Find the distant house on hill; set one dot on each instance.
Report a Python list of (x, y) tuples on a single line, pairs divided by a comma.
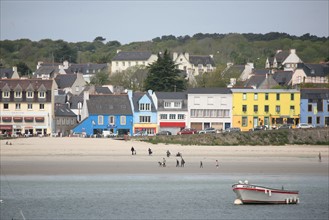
[(9, 73), (124, 60), (73, 83), (311, 73), (286, 60)]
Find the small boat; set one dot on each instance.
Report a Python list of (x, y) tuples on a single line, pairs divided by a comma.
[(254, 194)]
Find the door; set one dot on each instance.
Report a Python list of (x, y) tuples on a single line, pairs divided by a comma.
[(255, 121)]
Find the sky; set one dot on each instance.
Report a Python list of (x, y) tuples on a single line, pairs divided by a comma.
[(133, 21)]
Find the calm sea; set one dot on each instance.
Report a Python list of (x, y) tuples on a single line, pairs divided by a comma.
[(167, 196)]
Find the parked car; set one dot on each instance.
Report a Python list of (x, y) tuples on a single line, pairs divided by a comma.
[(259, 128), (233, 129), (304, 125), (163, 133), (187, 131), (140, 133), (208, 131), (285, 126)]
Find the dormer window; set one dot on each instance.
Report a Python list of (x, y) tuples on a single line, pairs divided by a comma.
[(42, 94), (18, 94), (29, 94), (5, 94), (312, 71), (144, 107)]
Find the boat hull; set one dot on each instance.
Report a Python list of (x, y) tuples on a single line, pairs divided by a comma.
[(252, 194)]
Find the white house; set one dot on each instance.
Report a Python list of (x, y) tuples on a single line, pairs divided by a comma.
[(209, 107), (287, 60)]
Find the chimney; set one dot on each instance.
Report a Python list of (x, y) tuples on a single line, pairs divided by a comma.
[(174, 56), (86, 95), (187, 56), (278, 51), (292, 51), (39, 64), (211, 56), (118, 51), (15, 69)]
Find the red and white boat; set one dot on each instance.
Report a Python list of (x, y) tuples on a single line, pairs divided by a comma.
[(253, 194)]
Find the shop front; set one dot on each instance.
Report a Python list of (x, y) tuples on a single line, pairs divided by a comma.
[(6, 129)]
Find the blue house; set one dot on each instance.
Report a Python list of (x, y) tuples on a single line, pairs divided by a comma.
[(110, 113), (144, 111), (314, 107)]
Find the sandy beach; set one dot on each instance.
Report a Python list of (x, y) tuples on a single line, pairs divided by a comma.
[(94, 156)]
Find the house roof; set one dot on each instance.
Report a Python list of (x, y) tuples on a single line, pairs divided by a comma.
[(62, 110), (311, 69), (281, 56), (314, 93), (25, 83), (46, 70), (261, 81), (261, 71), (87, 68), (125, 56), (60, 99), (283, 77), (136, 96), (109, 105), (209, 91), (171, 95), (6, 73), (204, 60), (75, 99), (65, 80)]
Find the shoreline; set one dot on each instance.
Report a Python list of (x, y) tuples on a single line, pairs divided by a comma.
[(99, 156)]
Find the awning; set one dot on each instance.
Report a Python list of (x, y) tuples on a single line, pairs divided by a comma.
[(172, 124), (6, 119), (39, 119), (6, 127), (28, 119), (18, 119)]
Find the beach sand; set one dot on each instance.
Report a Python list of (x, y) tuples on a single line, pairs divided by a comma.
[(98, 156)]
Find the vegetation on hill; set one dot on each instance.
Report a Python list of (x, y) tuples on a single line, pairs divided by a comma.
[(236, 48)]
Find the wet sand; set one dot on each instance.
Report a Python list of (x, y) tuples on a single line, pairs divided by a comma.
[(94, 156)]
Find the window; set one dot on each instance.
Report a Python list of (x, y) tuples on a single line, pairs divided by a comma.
[(163, 116), (266, 108), (41, 106), (180, 116), (5, 94), (167, 104), (292, 96), (123, 63), (292, 108), (244, 121), (309, 120), (18, 94), (255, 108), (100, 119), (117, 63), (5, 106), (111, 120), (18, 106), (277, 108), (29, 106), (172, 116), (244, 96), (123, 120), (29, 94), (318, 120), (255, 96), (244, 108), (72, 121), (319, 104), (42, 94), (278, 96), (144, 119), (266, 96), (77, 89), (177, 104), (309, 108), (145, 107)]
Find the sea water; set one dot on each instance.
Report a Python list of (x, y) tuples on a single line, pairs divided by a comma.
[(159, 196)]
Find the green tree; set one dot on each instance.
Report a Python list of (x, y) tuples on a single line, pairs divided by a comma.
[(23, 69), (101, 78), (163, 75)]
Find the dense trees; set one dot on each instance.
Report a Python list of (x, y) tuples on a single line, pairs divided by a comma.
[(164, 76)]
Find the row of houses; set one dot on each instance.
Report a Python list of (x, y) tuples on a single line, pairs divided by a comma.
[(36, 106)]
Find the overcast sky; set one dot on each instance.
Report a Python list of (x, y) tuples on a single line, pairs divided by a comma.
[(131, 21)]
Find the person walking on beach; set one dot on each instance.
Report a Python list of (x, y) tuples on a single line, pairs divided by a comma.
[(177, 163), (319, 156), (217, 164), (182, 163), (150, 151), (164, 162), (132, 151), (201, 164)]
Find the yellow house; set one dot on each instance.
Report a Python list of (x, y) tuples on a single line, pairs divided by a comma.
[(270, 107)]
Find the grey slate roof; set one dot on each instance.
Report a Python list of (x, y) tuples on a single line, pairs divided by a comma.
[(6, 73), (89, 68), (75, 99), (109, 105), (261, 82), (171, 95), (310, 69), (283, 78), (314, 93), (281, 56), (126, 56), (261, 71), (62, 110), (137, 96), (46, 70), (209, 91), (204, 60), (65, 80)]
